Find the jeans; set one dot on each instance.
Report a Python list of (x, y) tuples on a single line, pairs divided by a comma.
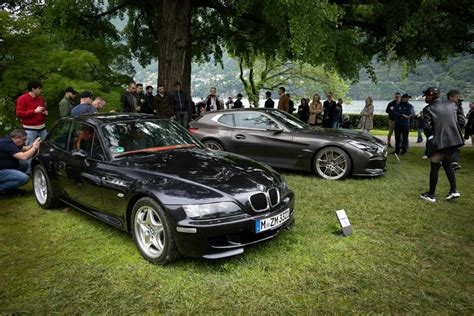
[(31, 135), (401, 140), (335, 124), (420, 135), (12, 178), (182, 118)]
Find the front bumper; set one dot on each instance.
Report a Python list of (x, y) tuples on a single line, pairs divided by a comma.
[(372, 166), (219, 238)]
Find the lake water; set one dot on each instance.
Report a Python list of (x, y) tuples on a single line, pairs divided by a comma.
[(356, 106)]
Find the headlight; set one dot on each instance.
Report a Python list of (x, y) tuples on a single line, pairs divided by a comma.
[(364, 146), (214, 210), (283, 186)]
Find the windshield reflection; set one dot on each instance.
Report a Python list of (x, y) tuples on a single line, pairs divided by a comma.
[(289, 120), (146, 135)]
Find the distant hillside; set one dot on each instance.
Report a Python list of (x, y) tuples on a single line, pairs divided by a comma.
[(458, 73)]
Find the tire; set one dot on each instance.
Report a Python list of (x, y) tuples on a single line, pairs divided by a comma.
[(332, 163), (214, 145), (45, 197), (151, 231)]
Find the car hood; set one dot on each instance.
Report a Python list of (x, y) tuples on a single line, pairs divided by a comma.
[(203, 174), (339, 135)]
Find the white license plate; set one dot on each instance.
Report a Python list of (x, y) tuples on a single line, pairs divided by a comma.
[(262, 225)]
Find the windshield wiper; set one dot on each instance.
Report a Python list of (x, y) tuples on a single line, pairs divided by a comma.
[(154, 149)]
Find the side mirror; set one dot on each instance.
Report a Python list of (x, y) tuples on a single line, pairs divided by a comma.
[(274, 128)]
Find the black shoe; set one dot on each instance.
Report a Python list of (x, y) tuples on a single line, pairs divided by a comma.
[(390, 145), (453, 195), (428, 197), (3, 195), (403, 153)]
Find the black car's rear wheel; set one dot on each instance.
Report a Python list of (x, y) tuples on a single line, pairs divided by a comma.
[(43, 190), (332, 163), (151, 232), (213, 145)]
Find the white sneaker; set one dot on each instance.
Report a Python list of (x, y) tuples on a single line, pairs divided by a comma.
[(453, 195), (424, 157)]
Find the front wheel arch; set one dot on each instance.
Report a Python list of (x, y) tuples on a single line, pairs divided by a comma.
[(213, 141), (149, 218), (350, 162)]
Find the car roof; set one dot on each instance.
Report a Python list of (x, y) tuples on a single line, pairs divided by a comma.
[(267, 110), (104, 118)]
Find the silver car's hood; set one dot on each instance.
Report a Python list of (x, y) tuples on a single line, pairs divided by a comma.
[(339, 135)]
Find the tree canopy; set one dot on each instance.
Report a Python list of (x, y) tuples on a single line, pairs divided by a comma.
[(342, 36)]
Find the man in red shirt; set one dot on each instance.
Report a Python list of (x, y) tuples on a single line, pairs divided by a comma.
[(30, 109)]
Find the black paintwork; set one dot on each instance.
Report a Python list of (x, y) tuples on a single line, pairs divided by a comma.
[(108, 189)]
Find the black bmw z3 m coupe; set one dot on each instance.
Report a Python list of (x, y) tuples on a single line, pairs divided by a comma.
[(152, 178)]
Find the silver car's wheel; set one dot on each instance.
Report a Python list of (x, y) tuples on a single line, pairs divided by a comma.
[(44, 194), (151, 232), (213, 145), (332, 163)]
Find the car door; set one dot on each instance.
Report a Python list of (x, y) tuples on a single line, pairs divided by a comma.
[(78, 172), (256, 136)]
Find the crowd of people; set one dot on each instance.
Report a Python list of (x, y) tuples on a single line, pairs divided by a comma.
[(440, 121)]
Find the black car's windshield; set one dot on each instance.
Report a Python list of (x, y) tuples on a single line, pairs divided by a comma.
[(145, 136), (288, 120)]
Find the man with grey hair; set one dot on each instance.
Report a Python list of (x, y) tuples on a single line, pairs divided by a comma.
[(98, 103), (13, 157)]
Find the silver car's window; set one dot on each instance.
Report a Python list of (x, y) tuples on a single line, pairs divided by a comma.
[(252, 120), (227, 119), (289, 120)]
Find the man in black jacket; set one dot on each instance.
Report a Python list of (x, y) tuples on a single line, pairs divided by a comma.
[(269, 103), (129, 101), (180, 105), (238, 103), (391, 118), (443, 122)]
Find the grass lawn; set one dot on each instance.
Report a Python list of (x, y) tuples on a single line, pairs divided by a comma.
[(406, 255), (383, 132)]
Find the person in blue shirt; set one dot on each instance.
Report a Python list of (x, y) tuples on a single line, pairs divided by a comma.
[(85, 105), (13, 157), (403, 112)]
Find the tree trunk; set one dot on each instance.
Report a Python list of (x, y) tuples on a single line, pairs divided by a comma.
[(174, 60)]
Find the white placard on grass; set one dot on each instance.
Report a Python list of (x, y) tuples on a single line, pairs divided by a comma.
[(344, 221)]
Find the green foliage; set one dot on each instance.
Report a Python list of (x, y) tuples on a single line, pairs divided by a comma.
[(29, 54)]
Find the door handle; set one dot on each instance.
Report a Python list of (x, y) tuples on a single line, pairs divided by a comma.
[(240, 136)]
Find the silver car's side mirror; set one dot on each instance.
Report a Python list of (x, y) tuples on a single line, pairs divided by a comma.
[(274, 128)]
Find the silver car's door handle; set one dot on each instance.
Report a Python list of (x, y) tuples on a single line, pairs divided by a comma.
[(240, 136)]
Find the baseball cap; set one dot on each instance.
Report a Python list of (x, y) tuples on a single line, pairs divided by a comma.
[(406, 95), (431, 91), (70, 89), (85, 94)]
